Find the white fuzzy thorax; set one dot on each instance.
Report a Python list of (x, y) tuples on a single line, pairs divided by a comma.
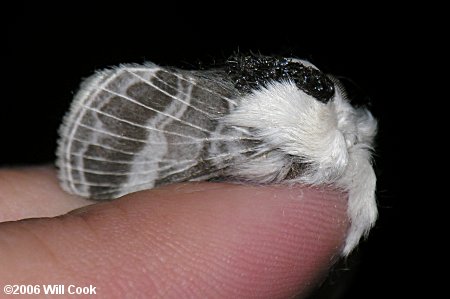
[(333, 140)]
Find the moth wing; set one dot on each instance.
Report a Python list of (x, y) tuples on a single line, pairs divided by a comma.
[(137, 127)]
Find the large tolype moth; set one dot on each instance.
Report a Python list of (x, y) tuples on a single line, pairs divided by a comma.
[(257, 119)]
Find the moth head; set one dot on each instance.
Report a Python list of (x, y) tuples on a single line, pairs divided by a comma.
[(300, 111)]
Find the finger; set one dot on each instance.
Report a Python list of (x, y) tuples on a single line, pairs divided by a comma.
[(34, 192), (193, 240)]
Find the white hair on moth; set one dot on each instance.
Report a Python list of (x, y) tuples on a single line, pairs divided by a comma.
[(333, 139)]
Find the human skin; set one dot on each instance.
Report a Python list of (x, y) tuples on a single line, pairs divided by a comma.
[(190, 240)]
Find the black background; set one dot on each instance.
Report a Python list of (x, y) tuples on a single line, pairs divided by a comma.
[(48, 53)]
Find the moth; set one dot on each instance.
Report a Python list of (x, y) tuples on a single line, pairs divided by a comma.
[(256, 119)]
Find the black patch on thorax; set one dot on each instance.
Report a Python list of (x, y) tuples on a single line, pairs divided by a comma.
[(249, 72)]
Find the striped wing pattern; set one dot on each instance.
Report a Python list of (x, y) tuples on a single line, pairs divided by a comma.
[(137, 127)]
